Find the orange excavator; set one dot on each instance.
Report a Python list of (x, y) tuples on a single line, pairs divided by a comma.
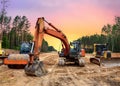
[(29, 52), (67, 54)]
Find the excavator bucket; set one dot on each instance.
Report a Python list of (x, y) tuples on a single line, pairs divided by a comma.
[(35, 69)]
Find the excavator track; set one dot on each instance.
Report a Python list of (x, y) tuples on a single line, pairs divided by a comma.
[(61, 61), (35, 69), (81, 62)]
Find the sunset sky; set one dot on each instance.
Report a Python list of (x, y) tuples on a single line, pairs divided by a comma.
[(75, 18)]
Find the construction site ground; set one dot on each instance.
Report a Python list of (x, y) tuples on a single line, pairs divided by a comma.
[(68, 75)]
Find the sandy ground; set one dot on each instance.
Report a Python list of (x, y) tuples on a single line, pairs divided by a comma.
[(68, 75), (10, 51)]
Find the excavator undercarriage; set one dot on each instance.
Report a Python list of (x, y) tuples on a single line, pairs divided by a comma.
[(79, 61)]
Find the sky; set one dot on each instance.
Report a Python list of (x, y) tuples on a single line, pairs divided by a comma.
[(76, 18)]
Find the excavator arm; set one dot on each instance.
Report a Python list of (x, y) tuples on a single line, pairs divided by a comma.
[(41, 30), (38, 36), (35, 67)]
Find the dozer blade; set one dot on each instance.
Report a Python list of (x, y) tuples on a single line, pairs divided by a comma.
[(95, 61), (35, 69), (112, 62)]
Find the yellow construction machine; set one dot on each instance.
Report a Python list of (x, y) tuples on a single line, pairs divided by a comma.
[(103, 57), (100, 52), (2, 54)]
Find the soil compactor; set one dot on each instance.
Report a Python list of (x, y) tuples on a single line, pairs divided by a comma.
[(21, 59)]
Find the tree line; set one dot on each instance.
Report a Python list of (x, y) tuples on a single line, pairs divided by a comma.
[(13, 32), (18, 32), (109, 34)]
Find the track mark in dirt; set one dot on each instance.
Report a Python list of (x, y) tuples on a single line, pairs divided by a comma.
[(43, 57), (50, 63), (46, 81), (73, 76), (7, 77)]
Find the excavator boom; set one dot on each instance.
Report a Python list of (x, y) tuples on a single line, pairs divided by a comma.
[(60, 36)]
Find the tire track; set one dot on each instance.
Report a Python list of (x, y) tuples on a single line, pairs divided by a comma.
[(74, 77), (46, 79), (5, 71), (45, 57)]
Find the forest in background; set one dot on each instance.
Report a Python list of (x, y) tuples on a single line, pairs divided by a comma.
[(109, 34), (14, 31)]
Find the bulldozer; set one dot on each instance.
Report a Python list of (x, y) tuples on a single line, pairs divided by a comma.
[(100, 52), (103, 57)]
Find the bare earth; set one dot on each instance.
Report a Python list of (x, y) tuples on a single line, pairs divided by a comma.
[(68, 75)]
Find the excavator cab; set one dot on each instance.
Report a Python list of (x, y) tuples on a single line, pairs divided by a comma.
[(75, 49)]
